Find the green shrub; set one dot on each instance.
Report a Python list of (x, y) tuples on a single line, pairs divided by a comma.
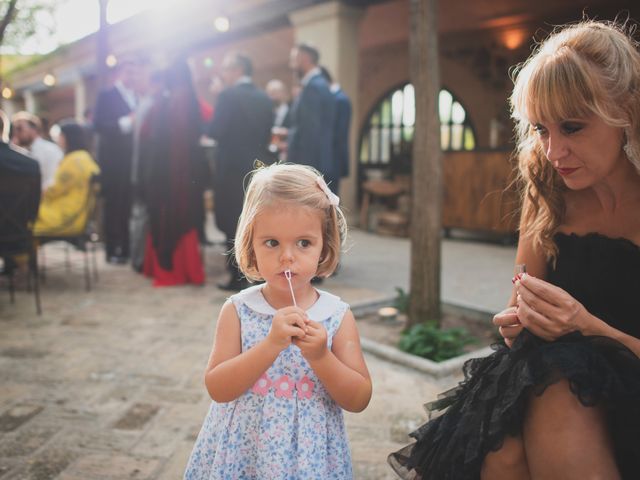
[(427, 340), (401, 302)]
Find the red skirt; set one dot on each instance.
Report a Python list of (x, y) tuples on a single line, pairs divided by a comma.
[(187, 263)]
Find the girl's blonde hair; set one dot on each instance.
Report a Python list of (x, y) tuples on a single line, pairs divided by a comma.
[(588, 68), (295, 185)]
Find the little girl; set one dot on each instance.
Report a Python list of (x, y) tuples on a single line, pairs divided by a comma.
[(286, 357)]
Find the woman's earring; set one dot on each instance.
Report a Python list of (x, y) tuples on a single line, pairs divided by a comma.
[(631, 150)]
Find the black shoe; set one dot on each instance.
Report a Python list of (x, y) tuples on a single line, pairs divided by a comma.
[(117, 260), (234, 285)]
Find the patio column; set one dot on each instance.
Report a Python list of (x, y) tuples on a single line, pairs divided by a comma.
[(29, 101), (333, 28), (8, 106), (80, 98)]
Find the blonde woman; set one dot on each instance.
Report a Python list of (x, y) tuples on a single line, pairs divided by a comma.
[(561, 398)]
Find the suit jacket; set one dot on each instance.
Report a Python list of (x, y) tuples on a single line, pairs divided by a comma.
[(341, 133), (312, 127), (115, 148), (16, 167), (242, 128)]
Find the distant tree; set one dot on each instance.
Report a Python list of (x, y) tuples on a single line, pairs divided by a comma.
[(22, 19)]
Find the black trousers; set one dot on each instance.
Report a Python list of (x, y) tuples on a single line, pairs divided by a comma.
[(117, 210)]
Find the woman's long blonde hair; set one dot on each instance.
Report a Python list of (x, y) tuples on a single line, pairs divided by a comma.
[(289, 185), (592, 67)]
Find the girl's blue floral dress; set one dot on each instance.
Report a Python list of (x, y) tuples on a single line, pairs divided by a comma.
[(286, 426)]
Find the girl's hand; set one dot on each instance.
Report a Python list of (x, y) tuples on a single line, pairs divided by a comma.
[(288, 322), (314, 344), (548, 311), (508, 325)]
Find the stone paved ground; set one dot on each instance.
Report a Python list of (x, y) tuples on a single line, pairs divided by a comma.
[(108, 384)]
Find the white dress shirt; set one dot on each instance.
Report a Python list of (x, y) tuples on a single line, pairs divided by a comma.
[(48, 155), (129, 96)]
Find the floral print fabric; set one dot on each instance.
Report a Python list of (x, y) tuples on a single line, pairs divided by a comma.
[(286, 426)]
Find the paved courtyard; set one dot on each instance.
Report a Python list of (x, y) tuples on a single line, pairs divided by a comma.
[(108, 384)]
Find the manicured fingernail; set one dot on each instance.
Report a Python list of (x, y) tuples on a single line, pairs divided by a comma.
[(513, 280)]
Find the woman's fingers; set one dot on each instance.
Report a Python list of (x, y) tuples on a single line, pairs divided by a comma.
[(537, 303), (544, 290), (506, 319), (534, 321), (510, 331), (507, 316)]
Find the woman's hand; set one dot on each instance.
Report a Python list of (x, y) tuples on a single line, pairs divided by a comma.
[(314, 344), (288, 322), (508, 325), (548, 311)]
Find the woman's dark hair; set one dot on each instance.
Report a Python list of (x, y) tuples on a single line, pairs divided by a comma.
[(75, 136)]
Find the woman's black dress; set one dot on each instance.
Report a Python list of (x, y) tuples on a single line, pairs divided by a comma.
[(603, 274)]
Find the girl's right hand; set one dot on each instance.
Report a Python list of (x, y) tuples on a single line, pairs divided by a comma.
[(288, 322), (508, 324)]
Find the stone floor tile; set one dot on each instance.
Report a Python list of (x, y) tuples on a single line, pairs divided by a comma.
[(113, 466)]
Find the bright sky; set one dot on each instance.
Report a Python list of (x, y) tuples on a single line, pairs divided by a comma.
[(75, 19)]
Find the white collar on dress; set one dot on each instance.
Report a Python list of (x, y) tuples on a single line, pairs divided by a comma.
[(325, 306)]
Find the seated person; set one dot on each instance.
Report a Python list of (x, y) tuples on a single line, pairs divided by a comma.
[(64, 206), (14, 165)]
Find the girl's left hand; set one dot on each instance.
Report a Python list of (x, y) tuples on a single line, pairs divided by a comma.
[(548, 311), (314, 344)]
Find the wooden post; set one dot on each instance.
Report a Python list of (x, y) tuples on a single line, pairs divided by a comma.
[(426, 209), (102, 47)]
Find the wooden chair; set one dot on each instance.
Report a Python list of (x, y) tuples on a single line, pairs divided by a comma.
[(387, 190)]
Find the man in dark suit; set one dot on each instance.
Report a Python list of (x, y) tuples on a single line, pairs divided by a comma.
[(242, 128), (312, 115), (340, 133), (113, 122)]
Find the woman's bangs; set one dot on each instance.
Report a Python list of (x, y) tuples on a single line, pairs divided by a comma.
[(556, 91)]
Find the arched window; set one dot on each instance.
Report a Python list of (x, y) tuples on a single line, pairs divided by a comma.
[(387, 137)]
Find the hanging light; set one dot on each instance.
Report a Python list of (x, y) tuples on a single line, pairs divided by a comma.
[(111, 60), (7, 93), (49, 80), (221, 24)]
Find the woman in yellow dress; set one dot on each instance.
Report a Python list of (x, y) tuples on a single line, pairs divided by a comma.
[(65, 204)]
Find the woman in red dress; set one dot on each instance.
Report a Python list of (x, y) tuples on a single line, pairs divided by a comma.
[(171, 171)]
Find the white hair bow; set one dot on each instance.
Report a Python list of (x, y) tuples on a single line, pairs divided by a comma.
[(333, 198)]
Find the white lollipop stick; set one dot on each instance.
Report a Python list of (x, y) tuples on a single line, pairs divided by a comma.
[(287, 274)]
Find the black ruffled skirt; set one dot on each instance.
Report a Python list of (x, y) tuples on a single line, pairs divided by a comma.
[(491, 403)]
